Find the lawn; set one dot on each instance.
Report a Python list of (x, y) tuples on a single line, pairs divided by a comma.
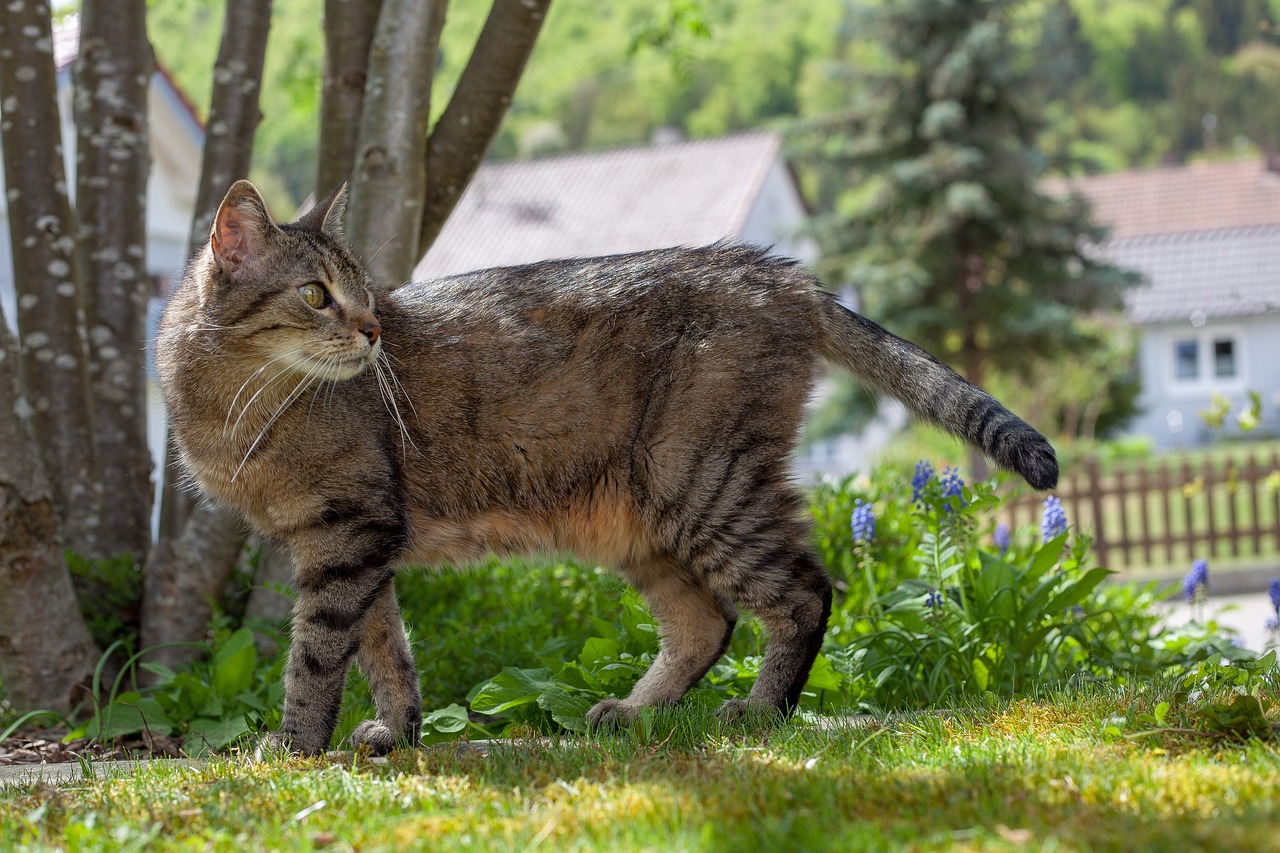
[(1051, 774), (978, 690)]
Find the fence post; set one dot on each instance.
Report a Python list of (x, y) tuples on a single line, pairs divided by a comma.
[(1095, 503)]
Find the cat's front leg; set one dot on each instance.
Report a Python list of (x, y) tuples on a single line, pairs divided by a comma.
[(393, 679), (338, 584)]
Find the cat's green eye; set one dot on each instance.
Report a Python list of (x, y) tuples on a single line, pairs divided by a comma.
[(314, 294)]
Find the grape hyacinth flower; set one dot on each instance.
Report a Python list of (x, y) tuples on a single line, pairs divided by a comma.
[(924, 473), (1002, 538), (1196, 584), (1055, 518), (952, 486), (864, 522)]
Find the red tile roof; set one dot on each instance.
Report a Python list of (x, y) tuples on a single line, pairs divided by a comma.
[(1179, 199)]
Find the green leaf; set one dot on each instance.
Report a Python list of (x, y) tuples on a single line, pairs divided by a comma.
[(596, 649), (510, 688), (205, 735), (233, 664), (568, 708), (449, 719), (129, 714), (823, 676)]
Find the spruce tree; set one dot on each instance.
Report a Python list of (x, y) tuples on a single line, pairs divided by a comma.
[(933, 191)]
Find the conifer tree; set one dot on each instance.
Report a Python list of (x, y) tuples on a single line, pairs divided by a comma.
[(933, 188)]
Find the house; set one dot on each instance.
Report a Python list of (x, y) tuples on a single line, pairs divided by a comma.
[(177, 138), (672, 193), (1206, 239)]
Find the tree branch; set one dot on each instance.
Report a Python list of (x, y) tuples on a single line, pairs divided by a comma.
[(471, 120), (348, 34), (112, 72), (384, 216)]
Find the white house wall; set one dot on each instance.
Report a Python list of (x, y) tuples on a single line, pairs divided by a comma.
[(1171, 409), (777, 217)]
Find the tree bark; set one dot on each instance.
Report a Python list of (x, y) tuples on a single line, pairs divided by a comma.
[(41, 231), (188, 569), (384, 217), (46, 655), (348, 34), (183, 580), (267, 603), (112, 73), (466, 128)]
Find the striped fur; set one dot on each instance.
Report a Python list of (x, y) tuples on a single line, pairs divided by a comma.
[(639, 411)]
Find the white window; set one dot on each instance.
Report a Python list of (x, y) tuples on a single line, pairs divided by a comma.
[(1207, 360)]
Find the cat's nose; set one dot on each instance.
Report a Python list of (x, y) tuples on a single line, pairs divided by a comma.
[(371, 330)]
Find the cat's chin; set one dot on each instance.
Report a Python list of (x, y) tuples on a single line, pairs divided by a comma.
[(331, 368)]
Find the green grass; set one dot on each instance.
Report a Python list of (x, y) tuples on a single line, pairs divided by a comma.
[(1039, 774)]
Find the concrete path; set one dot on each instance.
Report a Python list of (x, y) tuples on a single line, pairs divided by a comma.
[(1245, 614)]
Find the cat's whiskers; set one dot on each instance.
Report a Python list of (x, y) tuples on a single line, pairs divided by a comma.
[(388, 394), (249, 403), (298, 390), (396, 379), (226, 425)]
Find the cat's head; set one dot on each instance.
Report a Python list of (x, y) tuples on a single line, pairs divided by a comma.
[(290, 293)]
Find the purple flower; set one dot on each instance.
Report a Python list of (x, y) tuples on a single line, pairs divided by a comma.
[(952, 485), (1274, 592), (933, 599), (1272, 623), (1002, 538), (864, 522), (924, 473), (1055, 518), (1196, 583)]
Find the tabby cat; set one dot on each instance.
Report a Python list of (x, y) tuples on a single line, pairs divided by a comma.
[(639, 411)]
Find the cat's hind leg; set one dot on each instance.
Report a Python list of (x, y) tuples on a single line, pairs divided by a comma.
[(694, 624), (762, 561), (388, 665)]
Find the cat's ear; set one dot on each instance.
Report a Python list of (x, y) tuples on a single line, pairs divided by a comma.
[(241, 228), (327, 215)]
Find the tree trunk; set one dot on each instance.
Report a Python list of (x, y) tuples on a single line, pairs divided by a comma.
[(41, 229), (187, 569), (348, 34), (112, 72), (484, 92), (183, 580), (384, 216), (46, 655), (268, 601)]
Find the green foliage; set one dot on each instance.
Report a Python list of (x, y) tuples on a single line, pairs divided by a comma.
[(209, 706), (109, 592)]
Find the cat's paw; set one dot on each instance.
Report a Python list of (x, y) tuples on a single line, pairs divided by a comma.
[(610, 715), (1032, 456), (375, 736), (273, 746), (742, 712)]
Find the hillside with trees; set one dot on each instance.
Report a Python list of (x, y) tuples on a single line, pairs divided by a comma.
[(1132, 82)]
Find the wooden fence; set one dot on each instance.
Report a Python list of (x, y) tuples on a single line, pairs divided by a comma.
[(1170, 511)]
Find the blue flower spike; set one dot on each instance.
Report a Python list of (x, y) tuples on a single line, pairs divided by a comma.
[(864, 522), (1054, 521), (1195, 586), (924, 473), (1002, 537)]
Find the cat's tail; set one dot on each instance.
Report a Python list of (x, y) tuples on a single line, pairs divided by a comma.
[(934, 392)]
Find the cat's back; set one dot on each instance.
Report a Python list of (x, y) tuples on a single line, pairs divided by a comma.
[(670, 287)]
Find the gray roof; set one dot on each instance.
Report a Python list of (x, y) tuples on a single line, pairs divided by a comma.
[(1233, 272), (601, 203)]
